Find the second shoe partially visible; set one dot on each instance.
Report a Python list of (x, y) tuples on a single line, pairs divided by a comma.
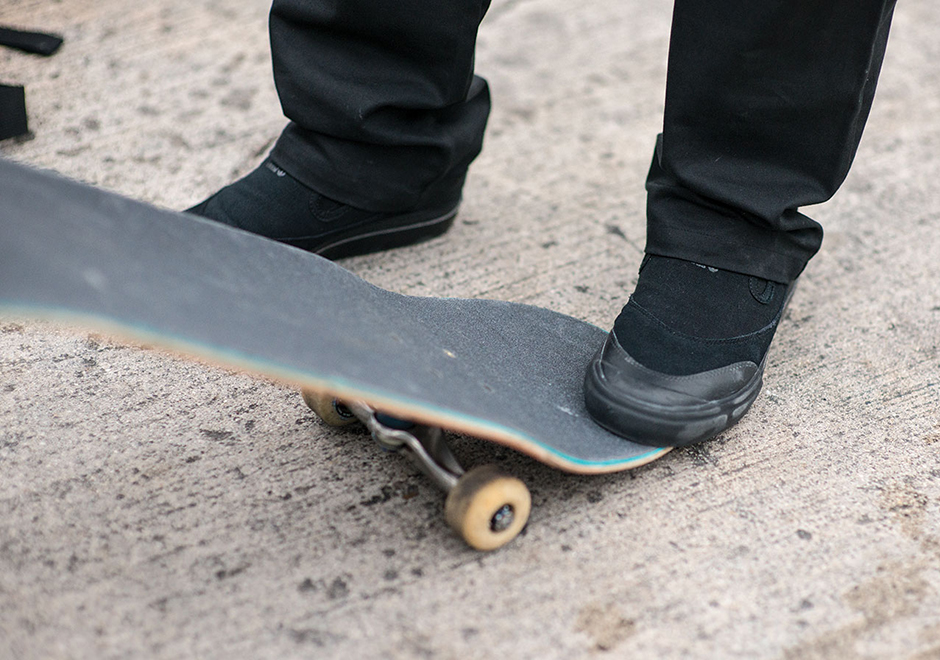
[(272, 203), (685, 359)]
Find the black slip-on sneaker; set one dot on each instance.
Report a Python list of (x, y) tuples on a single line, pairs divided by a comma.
[(272, 203), (685, 380)]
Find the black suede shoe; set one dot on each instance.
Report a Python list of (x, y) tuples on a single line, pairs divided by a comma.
[(685, 359), (271, 202)]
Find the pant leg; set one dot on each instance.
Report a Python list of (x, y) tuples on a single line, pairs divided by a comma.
[(765, 105), (384, 107)]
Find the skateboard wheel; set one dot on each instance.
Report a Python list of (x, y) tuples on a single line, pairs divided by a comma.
[(487, 507), (330, 411)]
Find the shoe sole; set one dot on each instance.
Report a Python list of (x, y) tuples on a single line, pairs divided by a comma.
[(394, 232)]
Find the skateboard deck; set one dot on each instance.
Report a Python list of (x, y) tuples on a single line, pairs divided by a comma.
[(498, 371)]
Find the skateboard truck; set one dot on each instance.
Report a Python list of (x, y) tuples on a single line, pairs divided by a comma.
[(484, 505), (426, 446)]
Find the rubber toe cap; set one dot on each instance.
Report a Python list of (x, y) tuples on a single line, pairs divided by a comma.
[(660, 409)]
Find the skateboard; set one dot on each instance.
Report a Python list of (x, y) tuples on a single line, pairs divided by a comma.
[(406, 367)]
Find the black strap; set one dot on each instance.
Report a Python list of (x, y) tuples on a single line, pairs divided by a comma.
[(12, 112), (30, 42)]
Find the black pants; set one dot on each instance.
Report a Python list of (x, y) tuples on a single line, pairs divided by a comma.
[(765, 105)]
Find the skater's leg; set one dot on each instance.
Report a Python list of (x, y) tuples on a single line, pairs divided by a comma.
[(765, 106), (386, 116)]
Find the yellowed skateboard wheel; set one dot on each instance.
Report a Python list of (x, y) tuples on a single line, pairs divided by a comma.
[(487, 507), (328, 409)]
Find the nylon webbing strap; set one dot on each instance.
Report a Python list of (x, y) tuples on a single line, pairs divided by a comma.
[(12, 112), (38, 43)]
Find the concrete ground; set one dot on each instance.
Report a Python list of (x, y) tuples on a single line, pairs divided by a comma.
[(155, 507)]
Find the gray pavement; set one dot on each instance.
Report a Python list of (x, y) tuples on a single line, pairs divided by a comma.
[(155, 507)]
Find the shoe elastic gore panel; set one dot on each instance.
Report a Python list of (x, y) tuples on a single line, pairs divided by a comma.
[(654, 345)]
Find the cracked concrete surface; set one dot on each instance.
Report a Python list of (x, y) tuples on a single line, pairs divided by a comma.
[(155, 507)]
